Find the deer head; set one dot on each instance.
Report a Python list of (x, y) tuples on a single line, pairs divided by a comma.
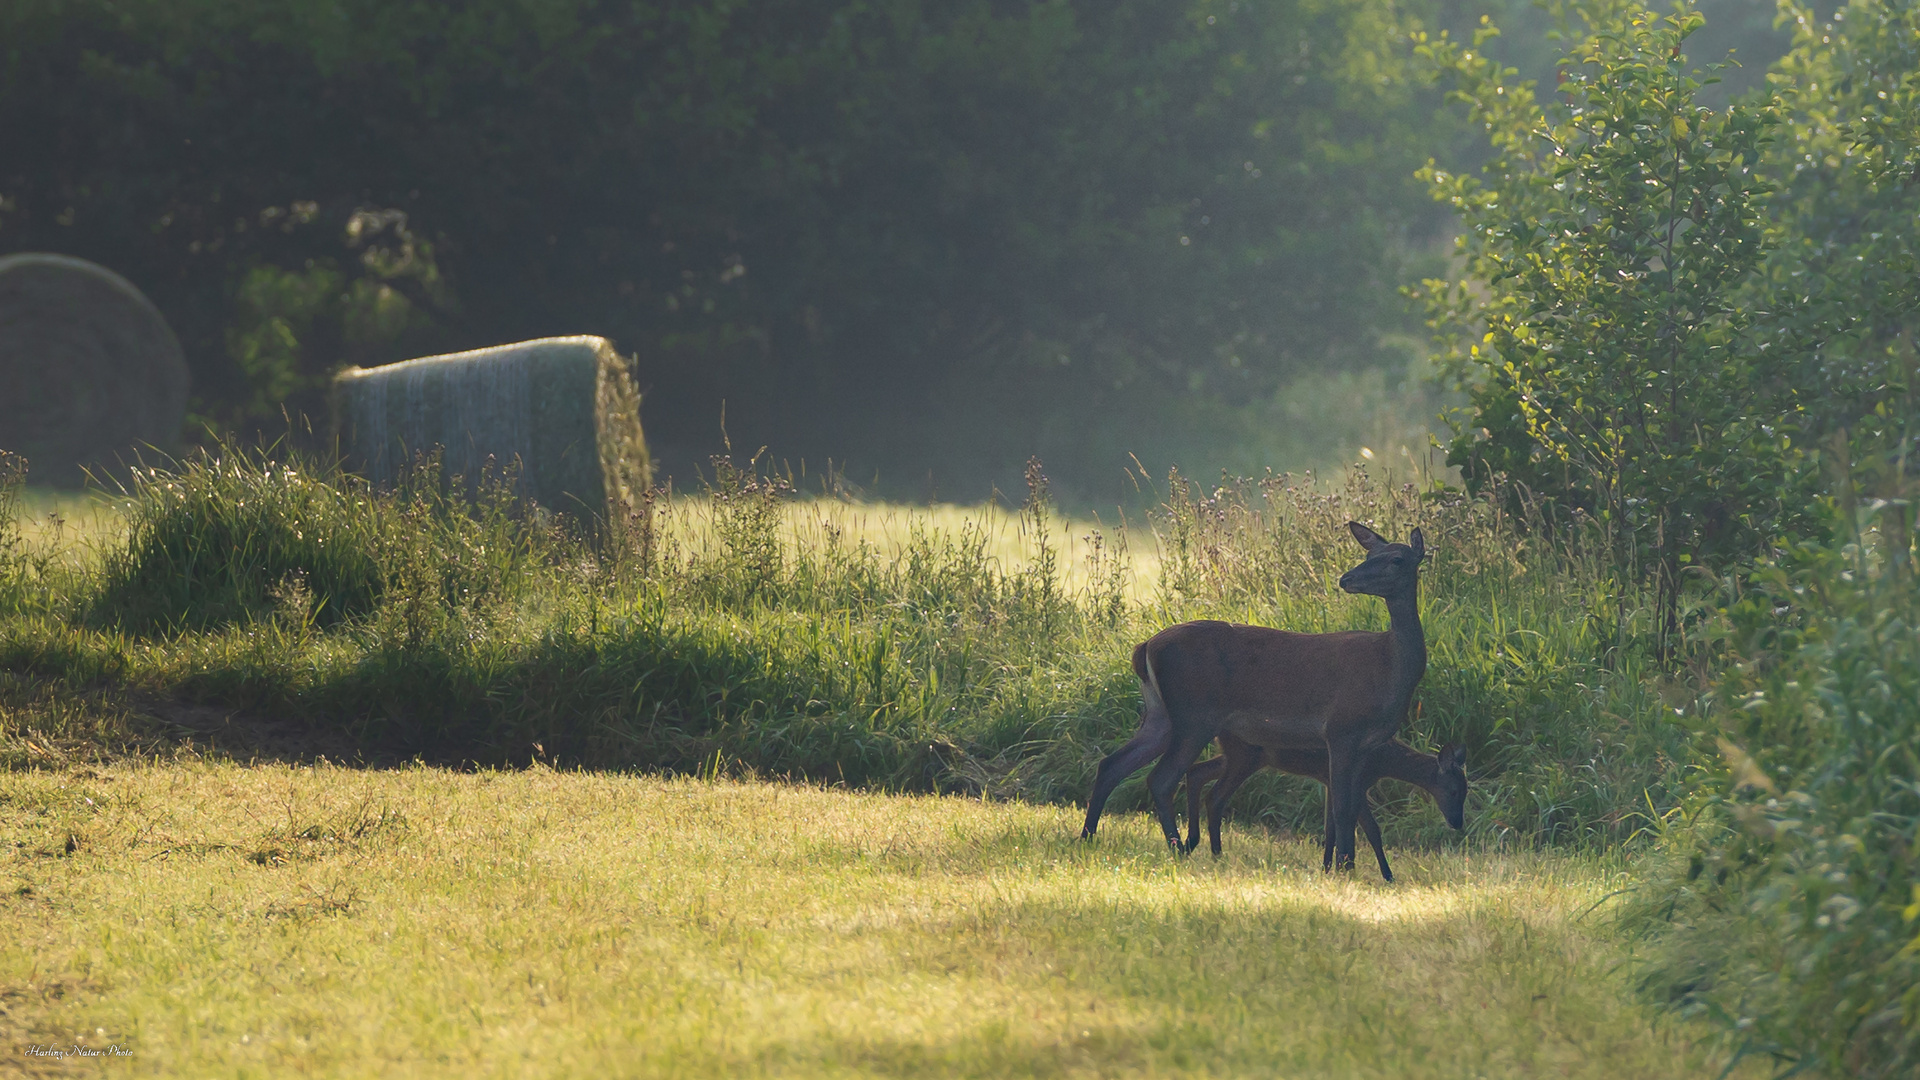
[(1389, 569)]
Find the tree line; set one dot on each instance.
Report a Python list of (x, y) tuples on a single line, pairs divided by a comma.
[(927, 241), (877, 229)]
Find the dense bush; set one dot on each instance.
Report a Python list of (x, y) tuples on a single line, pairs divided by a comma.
[(1792, 914), (1669, 304)]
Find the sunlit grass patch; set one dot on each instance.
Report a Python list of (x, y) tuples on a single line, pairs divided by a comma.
[(73, 523), (1082, 544), (222, 920)]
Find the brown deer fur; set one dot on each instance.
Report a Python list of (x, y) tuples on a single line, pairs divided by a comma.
[(1344, 694)]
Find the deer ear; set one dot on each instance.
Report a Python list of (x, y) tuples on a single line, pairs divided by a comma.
[(1453, 754), (1418, 543), (1367, 537)]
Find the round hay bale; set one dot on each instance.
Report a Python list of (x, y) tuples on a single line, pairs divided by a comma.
[(90, 373), (562, 413)]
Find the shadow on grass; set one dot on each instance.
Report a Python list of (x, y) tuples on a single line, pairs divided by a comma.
[(1286, 986), (676, 694)]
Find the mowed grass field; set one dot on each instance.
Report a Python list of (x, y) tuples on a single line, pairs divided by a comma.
[(219, 919)]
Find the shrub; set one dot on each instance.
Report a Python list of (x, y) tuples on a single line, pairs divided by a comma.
[(228, 537), (1609, 343), (1795, 919)]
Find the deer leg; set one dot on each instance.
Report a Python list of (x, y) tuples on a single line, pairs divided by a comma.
[(1166, 776), (1344, 767), (1197, 777), (1147, 743), (1326, 832), (1371, 826), (1240, 767)]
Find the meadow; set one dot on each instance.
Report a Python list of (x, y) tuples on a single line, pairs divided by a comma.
[(255, 716), (219, 919), (980, 651)]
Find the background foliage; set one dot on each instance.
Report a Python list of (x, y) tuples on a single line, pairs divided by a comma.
[(997, 219), (925, 241), (1691, 328)]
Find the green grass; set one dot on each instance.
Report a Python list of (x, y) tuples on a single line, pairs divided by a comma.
[(220, 920), (275, 611), (609, 917), (886, 647)]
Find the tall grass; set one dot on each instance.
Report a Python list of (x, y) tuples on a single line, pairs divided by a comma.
[(13, 546), (230, 538), (711, 634)]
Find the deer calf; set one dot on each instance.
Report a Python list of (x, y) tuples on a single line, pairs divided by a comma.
[(1441, 775)]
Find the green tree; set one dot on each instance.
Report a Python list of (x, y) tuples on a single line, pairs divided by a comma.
[(1603, 328), (1847, 268)]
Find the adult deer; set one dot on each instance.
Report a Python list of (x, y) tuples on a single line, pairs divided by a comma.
[(1344, 693), (1442, 775)]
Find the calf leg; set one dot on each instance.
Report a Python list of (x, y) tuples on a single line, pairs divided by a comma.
[(1197, 777), (1166, 776), (1243, 761), (1371, 827)]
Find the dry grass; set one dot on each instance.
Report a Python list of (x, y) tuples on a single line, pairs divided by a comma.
[(810, 524), (220, 920), (69, 522), (77, 523)]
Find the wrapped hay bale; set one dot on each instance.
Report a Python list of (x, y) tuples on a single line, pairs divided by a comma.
[(561, 413), (90, 373)]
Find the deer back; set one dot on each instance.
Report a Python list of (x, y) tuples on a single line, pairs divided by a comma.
[(1269, 687)]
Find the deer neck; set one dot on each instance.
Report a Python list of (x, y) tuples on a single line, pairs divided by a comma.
[(1407, 643), (1398, 761)]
